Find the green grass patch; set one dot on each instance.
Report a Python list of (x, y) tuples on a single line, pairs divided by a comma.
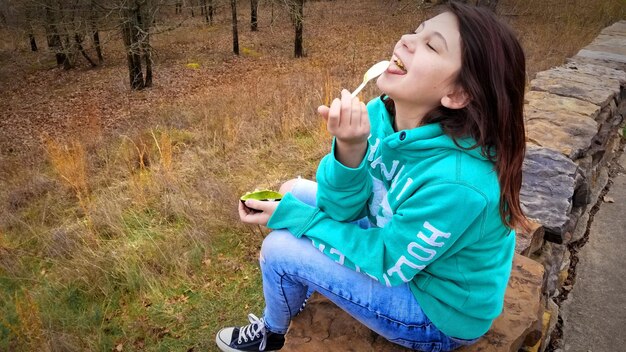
[(153, 286)]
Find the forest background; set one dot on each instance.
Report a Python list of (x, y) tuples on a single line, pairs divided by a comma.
[(118, 222)]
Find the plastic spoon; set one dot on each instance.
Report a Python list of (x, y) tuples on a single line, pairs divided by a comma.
[(373, 72)]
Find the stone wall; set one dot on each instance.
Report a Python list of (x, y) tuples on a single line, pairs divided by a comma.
[(573, 117), (574, 114)]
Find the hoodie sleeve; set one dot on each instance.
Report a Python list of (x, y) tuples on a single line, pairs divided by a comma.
[(423, 228), (342, 191)]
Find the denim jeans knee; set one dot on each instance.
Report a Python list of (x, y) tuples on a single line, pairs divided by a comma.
[(306, 191), (276, 244)]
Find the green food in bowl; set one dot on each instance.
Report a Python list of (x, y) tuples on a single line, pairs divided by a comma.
[(263, 194)]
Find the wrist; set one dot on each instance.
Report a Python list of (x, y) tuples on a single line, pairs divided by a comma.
[(350, 154), (351, 146)]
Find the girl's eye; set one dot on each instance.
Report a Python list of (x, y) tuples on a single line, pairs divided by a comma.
[(430, 47)]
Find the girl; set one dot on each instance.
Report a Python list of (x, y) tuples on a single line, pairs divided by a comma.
[(410, 225)]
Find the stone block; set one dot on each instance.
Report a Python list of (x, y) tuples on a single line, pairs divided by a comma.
[(582, 191), (617, 28), (571, 83), (553, 311), (608, 48), (593, 71), (600, 149), (528, 242), (581, 227), (610, 39), (322, 326), (547, 316), (604, 115), (584, 75), (599, 60), (561, 123), (598, 182), (544, 101), (621, 108), (547, 190), (608, 44), (552, 260), (569, 133)]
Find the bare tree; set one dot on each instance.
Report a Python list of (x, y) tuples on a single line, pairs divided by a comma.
[(95, 17), (33, 42), (205, 12), (298, 17), (66, 24), (233, 7), (296, 12), (254, 7), (210, 10), (137, 17), (54, 34), (72, 29)]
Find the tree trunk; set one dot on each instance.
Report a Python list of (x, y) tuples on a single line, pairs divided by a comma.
[(144, 46), (298, 18), (132, 56), (58, 47), (96, 42), (254, 6), (33, 43), (179, 6), (205, 12), (233, 7), (79, 44), (54, 44), (53, 38), (95, 33), (211, 11), (67, 54), (148, 59), (136, 35)]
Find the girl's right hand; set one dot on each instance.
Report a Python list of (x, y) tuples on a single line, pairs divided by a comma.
[(347, 119)]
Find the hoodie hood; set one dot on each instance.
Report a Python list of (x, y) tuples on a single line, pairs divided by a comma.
[(421, 141)]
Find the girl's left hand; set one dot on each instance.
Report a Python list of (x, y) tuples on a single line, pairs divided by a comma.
[(262, 216)]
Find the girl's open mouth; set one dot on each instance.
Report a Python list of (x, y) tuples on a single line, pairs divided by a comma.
[(400, 64)]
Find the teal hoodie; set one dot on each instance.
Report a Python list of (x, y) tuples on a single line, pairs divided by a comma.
[(437, 226)]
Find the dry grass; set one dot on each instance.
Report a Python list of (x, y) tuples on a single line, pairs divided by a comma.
[(69, 162), (126, 235), (551, 31)]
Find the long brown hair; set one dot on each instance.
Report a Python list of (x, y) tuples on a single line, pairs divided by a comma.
[(493, 74)]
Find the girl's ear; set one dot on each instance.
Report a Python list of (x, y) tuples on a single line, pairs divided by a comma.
[(457, 99)]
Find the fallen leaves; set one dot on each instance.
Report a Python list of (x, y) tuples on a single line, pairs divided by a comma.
[(608, 199)]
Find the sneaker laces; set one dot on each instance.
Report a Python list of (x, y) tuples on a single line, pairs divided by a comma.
[(252, 330)]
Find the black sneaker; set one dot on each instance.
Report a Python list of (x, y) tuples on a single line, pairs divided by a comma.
[(252, 337)]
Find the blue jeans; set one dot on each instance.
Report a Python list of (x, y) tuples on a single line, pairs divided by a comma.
[(293, 268)]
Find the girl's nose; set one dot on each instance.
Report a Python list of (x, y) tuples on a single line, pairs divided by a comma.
[(408, 41)]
